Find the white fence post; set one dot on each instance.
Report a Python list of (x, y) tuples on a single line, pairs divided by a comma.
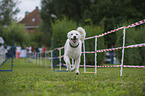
[(46, 58), (51, 59), (84, 56), (122, 52), (34, 57), (60, 59), (95, 55), (38, 58)]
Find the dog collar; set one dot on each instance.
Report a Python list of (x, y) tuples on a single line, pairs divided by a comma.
[(73, 46)]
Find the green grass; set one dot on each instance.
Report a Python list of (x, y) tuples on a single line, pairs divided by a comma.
[(28, 79)]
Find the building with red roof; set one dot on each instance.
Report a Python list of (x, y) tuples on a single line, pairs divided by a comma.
[(32, 20)]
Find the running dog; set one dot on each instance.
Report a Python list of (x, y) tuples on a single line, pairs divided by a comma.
[(73, 48)]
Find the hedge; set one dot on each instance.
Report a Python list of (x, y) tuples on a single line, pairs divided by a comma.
[(62, 27)]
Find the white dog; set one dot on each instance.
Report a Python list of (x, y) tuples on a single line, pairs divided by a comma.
[(73, 48)]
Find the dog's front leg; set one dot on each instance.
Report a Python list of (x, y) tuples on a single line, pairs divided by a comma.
[(67, 61), (77, 65)]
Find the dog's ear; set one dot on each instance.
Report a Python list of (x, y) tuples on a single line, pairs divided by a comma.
[(67, 35)]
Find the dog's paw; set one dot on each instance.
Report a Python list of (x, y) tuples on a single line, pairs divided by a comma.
[(72, 69), (68, 70), (77, 73)]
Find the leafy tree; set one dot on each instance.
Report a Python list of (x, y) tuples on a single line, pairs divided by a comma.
[(55, 9), (73, 9), (7, 11), (15, 32), (46, 22), (105, 13), (37, 38)]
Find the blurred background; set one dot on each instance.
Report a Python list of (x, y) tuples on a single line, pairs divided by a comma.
[(36, 23)]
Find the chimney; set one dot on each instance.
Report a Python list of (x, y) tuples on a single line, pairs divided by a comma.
[(26, 13), (37, 7)]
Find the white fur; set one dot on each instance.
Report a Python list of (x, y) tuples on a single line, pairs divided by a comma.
[(74, 53)]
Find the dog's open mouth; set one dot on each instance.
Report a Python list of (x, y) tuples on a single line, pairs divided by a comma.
[(74, 40)]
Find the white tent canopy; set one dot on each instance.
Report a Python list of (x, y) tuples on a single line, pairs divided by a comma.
[(1, 40), (2, 50), (1, 44)]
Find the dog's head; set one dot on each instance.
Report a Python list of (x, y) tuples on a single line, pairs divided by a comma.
[(73, 36)]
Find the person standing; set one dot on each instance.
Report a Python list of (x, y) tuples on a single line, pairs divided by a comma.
[(43, 51), (18, 51)]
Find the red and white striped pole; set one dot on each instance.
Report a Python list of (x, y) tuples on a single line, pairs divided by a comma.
[(95, 55), (84, 56), (122, 52)]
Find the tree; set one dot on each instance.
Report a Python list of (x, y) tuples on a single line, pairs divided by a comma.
[(105, 13), (7, 11), (15, 32), (132, 36), (55, 9), (73, 9), (37, 38)]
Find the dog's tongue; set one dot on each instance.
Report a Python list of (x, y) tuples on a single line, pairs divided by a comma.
[(74, 40)]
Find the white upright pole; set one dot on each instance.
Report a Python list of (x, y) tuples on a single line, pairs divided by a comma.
[(38, 58), (95, 55), (84, 56), (34, 57), (41, 58), (30, 57), (122, 52), (4, 56), (60, 59), (51, 59), (46, 58)]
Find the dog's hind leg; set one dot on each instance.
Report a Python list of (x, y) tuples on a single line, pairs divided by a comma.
[(77, 65), (72, 69), (67, 61)]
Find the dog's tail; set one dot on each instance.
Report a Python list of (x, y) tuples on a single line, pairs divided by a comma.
[(82, 33)]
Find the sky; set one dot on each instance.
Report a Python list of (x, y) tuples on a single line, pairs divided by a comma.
[(27, 5)]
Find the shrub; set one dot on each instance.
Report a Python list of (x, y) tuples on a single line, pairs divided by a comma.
[(132, 55), (62, 27), (139, 38), (17, 33), (90, 44)]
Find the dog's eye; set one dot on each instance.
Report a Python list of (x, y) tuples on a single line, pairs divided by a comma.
[(76, 34), (71, 34)]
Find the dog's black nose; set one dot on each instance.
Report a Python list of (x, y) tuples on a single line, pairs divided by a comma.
[(75, 37)]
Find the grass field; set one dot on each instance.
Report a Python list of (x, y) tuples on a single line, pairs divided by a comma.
[(28, 79)]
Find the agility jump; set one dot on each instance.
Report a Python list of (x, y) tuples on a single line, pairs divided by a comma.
[(8, 62)]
